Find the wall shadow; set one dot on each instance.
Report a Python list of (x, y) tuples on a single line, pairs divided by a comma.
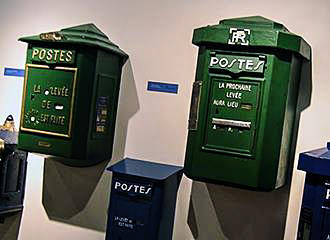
[(226, 213), (79, 196)]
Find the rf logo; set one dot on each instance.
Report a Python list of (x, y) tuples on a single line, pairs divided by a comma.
[(239, 36)]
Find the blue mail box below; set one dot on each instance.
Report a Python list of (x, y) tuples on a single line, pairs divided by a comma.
[(314, 222), (142, 201)]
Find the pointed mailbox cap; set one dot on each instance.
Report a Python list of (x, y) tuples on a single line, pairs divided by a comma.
[(86, 34), (252, 31), (316, 161), (150, 170)]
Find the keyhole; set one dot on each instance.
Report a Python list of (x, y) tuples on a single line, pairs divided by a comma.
[(59, 106)]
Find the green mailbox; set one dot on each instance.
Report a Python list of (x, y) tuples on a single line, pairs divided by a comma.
[(70, 95), (253, 79)]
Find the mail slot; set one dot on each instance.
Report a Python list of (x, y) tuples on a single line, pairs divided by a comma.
[(142, 201), (314, 222), (252, 82), (70, 96), (12, 170)]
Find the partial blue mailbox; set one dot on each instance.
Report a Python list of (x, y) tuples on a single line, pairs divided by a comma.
[(314, 222), (143, 199)]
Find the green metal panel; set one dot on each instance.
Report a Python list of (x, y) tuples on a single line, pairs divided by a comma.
[(48, 103), (244, 105), (71, 94)]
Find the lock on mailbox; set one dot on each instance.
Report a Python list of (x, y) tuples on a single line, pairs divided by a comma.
[(244, 111), (71, 88), (142, 201), (12, 170), (314, 220)]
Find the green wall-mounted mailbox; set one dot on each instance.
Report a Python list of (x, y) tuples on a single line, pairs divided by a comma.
[(253, 79), (70, 95)]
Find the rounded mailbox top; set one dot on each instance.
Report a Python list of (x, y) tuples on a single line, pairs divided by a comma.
[(252, 31), (86, 34), (254, 22)]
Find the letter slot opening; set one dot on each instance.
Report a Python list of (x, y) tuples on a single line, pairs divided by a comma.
[(231, 123)]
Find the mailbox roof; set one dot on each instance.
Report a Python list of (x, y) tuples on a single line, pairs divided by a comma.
[(86, 34), (156, 171), (263, 33), (316, 161)]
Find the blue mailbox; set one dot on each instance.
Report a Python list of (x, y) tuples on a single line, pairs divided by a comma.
[(142, 201), (314, 222), (12, 169)]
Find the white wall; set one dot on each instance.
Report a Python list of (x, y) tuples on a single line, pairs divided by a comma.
[(157, 36)]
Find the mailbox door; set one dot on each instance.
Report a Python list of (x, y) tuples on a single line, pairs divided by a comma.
[(232, 115), (235, 89), (48, 103), (129, 219), (225, 116), (241, 114), (134, 211), (104, 105), (48, 100)]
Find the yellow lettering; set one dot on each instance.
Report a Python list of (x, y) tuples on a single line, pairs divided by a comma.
[(49, 55), (52, 119), (52, 55), (62, 56), (56, 54), (42, 54), (45, 104), (36, 88), (35, 52), (59, 91), (62, 120), (63, 92), (69, 56), (44, 118)]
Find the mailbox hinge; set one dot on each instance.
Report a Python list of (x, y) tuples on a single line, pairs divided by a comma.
[(194, 107)]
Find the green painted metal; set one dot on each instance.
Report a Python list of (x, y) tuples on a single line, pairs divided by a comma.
[(70, 96), (246, 103), (48, 103), (83, 35)]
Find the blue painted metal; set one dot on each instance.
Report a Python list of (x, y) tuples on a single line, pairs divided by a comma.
[(142, 201), (314, 220), (14, 72), (163, 87)]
